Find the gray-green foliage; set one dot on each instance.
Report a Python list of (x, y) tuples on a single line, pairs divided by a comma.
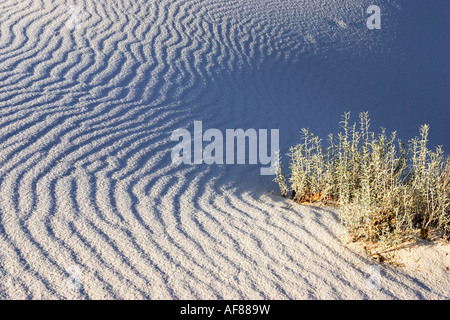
[(385, 190), (279, 177)]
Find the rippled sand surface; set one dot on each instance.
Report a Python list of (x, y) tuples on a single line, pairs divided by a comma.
[(91, 206)]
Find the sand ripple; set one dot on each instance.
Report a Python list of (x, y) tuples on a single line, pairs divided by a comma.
[(85, 173)]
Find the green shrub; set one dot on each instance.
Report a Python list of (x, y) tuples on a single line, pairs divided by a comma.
[(385, 190), (279, 178)]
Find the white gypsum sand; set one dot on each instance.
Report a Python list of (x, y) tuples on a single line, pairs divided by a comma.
[(91, 206)]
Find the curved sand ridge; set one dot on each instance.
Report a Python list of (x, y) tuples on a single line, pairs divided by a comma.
[(86, 178)]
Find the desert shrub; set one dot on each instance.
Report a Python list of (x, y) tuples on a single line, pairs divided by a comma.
[(385, 190), (311, 175), (279, 176)]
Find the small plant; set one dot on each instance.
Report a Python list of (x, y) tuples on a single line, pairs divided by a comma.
[(311, 175), (385, 190), (279, 176)]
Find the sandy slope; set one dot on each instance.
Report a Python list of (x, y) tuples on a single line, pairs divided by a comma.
[(91, 205)]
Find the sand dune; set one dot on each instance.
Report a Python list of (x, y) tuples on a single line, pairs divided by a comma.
[(91, 206)]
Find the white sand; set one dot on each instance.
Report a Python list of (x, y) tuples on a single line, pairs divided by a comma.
[(90, 204)]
